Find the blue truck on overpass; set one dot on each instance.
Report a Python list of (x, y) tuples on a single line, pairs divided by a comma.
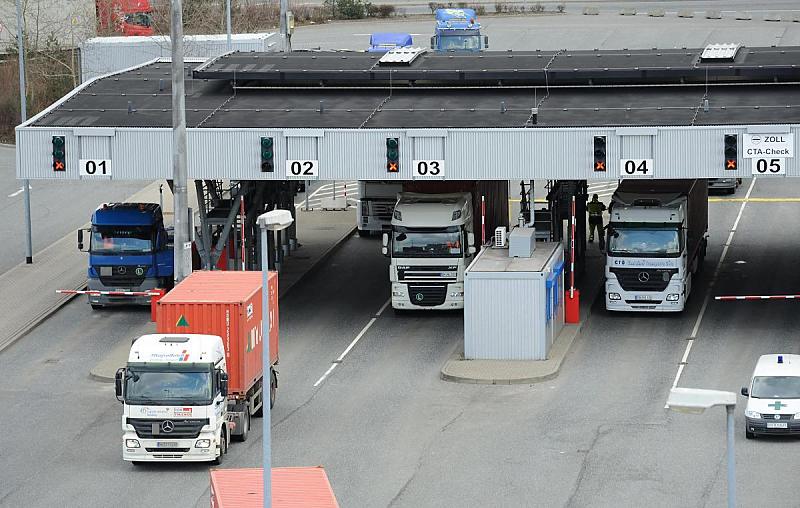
[(381, 42), (130, 250), (458, 30)]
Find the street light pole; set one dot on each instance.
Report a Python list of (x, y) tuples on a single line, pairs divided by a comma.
[(179, 170), (731, 458), (228, 21), (23, 111)]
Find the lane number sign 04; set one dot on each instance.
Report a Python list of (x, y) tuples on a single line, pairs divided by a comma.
[(94, 167), (769, 167), (307, 170), (428, 169), (635, 167)]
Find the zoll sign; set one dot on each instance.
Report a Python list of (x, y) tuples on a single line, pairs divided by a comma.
[(768, 145)]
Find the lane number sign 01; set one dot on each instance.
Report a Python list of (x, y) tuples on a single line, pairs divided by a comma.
[(769, 167), (307, 170), (428, 169), (635, 167), (94, 167)]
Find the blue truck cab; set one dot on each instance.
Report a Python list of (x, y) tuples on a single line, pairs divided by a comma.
[(381, 42), (458, 30), (129, 250)]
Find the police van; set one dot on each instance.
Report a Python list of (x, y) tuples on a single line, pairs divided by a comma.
[(773, 397)]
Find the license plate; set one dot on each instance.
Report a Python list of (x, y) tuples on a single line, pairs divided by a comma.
[(777, 425), (166, 444), (642, 297)]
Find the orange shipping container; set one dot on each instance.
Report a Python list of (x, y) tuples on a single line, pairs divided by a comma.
[(292, 487), (227, 304)]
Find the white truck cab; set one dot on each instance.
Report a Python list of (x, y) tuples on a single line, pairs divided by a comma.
[(773, 396), (174, 390), (430, 245)]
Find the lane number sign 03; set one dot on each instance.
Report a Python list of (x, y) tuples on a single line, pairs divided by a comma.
[(428, 169), (306, 170), (94, 167), (635, 167), (769, 167)]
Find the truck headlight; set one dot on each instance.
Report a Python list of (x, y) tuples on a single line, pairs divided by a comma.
[(754, 414), (202, 443), (613, 296), (397, 293), (797, 416), (673, 297), (131, 443)]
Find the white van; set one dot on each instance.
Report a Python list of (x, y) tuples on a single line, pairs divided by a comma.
[(773, 397)]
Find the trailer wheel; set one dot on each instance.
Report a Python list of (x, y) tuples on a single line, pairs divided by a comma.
[(273, 388)]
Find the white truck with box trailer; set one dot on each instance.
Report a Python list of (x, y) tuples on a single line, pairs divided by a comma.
[(657, 240)]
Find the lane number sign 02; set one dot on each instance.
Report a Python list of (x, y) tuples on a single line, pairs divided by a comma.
[(635, 167), (769, 167), (306, 170), (428, 169), (94, 167)]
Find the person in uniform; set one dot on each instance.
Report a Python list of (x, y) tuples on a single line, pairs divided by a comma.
[(596, 209)]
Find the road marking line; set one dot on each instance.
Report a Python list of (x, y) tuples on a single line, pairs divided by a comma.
[(707, 297), (352, 344), (754, 200), (20, 191)]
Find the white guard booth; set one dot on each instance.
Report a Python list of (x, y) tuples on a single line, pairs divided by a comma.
[(513, 306)]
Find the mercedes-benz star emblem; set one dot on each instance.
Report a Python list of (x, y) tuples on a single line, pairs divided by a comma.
[(419, 297), (777, 417), (644, 276), (122, 270), (167, 426)]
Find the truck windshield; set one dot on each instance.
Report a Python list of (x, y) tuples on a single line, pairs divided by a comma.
[(460, 42), (138, 18), (121, 239), (644, 241), (426, 242), (166, 387), (776, 387)]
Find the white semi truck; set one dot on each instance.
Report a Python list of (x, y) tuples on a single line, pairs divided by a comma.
[(375, 206), (430, 243), (657, 240)]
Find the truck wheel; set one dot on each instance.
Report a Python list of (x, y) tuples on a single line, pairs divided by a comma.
[(223, 450), (749, 435), (96, 306), (136, 462), (273, 388), (245, 427), (364, 234)]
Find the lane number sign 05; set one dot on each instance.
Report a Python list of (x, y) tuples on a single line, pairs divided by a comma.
[(635, 167), (307, 170), (769, 167), (428, 169), (94, 167)]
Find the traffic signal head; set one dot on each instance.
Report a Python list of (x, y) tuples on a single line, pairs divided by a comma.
[(59, 153), (267, 155), (599, 153), (731, 152), (392, 155)]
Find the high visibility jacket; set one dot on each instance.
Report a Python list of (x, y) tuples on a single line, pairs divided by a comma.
[(596, 208)]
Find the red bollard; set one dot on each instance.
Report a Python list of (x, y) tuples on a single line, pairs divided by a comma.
[(156, 296), (572, 307)]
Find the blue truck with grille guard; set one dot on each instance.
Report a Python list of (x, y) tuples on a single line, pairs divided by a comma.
[(130, 250), (458, 30)]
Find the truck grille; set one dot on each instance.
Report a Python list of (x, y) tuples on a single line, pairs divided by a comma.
[(428, 295), (147, 428), (167, 450), (411, 273), (644, 279), (382, 210), (122, 275)]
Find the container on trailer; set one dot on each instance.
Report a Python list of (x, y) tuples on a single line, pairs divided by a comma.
[(227, 304), (292, 487)]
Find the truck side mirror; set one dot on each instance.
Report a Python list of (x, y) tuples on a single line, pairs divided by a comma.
[(745, 391), (385, 248), (80, 240), (472, 250), (485, 42), (471, 239), (433, 42), (118, 378), (223, 383)]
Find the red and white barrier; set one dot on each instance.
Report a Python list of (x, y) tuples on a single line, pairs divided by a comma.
[(757, 297)]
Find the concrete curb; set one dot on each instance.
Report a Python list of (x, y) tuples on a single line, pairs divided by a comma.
[(537, 370), (104, 371)]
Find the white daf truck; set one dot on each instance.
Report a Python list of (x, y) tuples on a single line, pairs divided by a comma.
[(657, 239), (430, 244)]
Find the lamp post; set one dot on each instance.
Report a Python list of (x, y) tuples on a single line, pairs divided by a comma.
[(274, 220), (696, 401)]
